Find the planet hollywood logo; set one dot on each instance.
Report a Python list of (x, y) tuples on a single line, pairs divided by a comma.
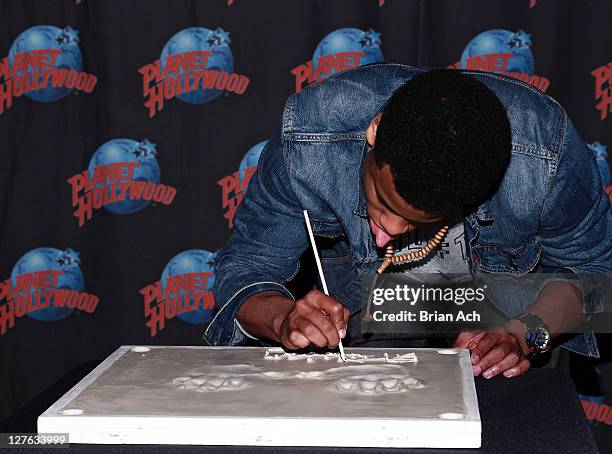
[(184, 291), (44, 64), (123, 177), (46, 284), (344, 48), (234, 186), (196, 66), (603, 89), (504, 52)]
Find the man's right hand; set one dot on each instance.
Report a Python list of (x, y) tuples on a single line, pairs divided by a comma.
[(316, 319)]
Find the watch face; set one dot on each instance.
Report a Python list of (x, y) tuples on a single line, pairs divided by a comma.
[(541, 341)]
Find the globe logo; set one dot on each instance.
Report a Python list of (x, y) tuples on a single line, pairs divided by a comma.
[(127, 150), (51, 259), (192, 261), (46, 37), (200, 39), (250, 159), (499, 41), (350, 40), (600, 152)]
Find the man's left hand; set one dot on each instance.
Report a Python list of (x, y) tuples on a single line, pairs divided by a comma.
[(498, 351)]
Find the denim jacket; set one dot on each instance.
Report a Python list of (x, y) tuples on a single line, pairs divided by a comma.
[(549, 213)]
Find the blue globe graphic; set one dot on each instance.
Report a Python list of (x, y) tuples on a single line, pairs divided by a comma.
[(251, 158), (49, 37), (127, 150), (51, 259), (600, 152), (350, 40), (192, 261), (502, 41), (201, 39)]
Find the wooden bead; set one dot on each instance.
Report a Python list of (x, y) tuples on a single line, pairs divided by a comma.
[(397, 259)]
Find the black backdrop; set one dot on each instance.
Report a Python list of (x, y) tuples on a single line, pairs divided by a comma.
[(45, 142)]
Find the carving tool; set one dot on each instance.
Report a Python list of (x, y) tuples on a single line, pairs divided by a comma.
[(323, 283)]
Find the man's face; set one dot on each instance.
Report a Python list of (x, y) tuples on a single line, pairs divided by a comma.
[(390, 215)]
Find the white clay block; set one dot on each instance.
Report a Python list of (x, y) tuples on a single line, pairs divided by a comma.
[(257, 396)]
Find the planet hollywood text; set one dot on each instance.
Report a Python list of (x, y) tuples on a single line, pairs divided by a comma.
[(603, 89), (183, 73), (36, 70), (177, 295), (498, 62), (30, 292), (112, 183), (326, 65)]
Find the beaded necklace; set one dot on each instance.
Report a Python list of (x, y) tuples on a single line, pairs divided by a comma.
[(432, 244)]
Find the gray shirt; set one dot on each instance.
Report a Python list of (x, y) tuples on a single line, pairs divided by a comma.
[(448, 261)]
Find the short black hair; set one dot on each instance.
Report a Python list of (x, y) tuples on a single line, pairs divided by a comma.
[(447, 139)]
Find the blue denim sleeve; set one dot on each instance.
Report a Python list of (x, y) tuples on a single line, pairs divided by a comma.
[(576, 226), (264, 249), (576, 222)]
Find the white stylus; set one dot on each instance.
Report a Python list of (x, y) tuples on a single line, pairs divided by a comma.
[(323, 283)]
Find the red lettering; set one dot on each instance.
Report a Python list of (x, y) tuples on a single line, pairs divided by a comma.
[(150, 293), (605, 105), (149, 73), (7, 317), (48, 278), (170, 307), (60, 297), (136, 188), (93, 303), (590, 410), (84, 212), (603, 75), (6, 97), (77, 182), (228, 185), (58, 77), (83, 301), (208, 301), (155, 102), (5, 288), (157, 321), (169, 196), (602, 413), (208, 79)]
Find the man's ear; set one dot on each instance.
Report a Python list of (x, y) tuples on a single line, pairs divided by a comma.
[(371, 131)]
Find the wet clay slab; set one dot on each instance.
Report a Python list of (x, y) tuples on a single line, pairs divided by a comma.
[(266, 396)]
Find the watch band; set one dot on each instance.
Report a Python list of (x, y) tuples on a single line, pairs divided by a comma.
[(537, 336)]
